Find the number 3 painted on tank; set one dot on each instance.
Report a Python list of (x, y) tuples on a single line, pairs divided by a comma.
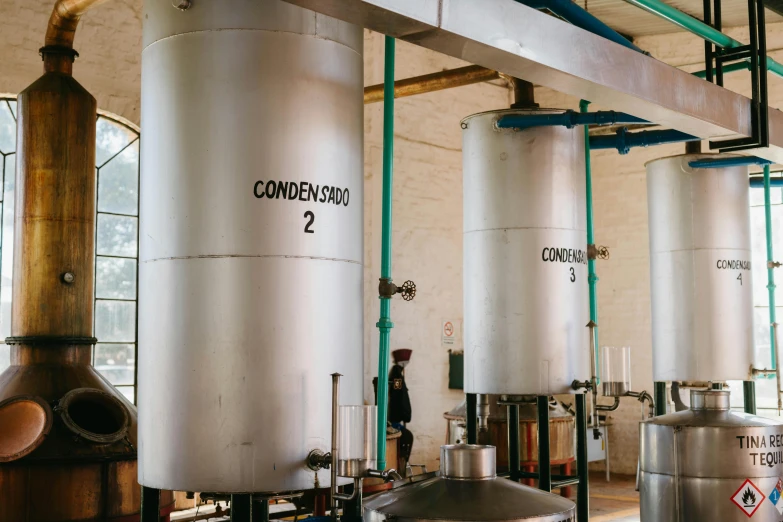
[(309, 224), (573, 275)]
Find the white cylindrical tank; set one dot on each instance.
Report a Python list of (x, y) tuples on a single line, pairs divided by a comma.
[(525, 257), (700, 278), (250, 281)]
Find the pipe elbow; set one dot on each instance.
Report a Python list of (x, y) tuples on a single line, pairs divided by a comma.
[(64, 19)]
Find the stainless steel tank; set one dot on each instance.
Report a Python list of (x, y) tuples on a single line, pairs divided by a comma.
[(525, 257), (468, 489), (251, 242), (709, 463), (700, 277)]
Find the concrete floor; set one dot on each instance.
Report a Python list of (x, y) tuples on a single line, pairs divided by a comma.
[(615, 501)]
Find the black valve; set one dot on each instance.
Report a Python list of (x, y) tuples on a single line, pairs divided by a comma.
[(387, 289)]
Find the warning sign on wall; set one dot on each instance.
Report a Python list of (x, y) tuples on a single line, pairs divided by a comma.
[(447, 333), (748, 498)]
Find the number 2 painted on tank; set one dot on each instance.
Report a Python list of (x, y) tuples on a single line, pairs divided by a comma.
[(309, 223), (573, 275)]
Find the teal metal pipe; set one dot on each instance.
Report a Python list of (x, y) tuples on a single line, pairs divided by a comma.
[(697, 27), (770, 270), (592, 278), (384, 323)]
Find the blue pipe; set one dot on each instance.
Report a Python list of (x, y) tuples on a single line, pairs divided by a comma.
[(577, 16), (623, 140), (758, 182), (732, 161), (568, 119)]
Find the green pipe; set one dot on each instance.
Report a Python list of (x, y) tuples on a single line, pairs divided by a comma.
[(592, 278), (697, 27), (384, 323), (770, 270)]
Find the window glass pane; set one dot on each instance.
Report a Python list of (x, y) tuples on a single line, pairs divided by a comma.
[(775, 193), (12, 104), (7, 252), (116, 235), (115, 278), (762, 357), (116, 362), (756, 198), (5, 357), (118, 183), (110, 138), (7, 129), (115, 321), (127, 391), (758, 243)]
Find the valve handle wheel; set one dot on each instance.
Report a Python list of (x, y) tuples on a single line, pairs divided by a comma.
[(408, 290)]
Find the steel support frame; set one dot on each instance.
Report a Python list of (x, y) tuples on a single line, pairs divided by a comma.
[(514, 456), (544, 456), (583, 490), (471, 417), (150, 504), (749, 396), (659, 393), (522, 42)]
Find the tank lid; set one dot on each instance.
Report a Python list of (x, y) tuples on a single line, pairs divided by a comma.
[(457, 499), (710, 400), (467, 462)]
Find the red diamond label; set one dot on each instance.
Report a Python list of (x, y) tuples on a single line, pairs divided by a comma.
[(748, 498)]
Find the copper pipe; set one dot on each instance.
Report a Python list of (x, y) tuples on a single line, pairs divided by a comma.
[(433, 82), (64, 19)]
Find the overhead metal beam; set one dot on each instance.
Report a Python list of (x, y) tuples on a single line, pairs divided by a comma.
[(516, 40)]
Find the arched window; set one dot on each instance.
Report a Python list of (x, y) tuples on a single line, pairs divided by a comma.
[(117, 245)]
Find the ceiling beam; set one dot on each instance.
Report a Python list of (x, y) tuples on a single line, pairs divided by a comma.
[(522, 42)]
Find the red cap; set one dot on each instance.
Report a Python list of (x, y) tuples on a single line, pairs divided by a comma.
[(402, 355)]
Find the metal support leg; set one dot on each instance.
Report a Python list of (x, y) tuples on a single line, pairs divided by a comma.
[(471, 418), (749, 396), (660, 398), (240, 508), (583, 491), (513, 441), (259, 511), (544, 462), (150, 504)]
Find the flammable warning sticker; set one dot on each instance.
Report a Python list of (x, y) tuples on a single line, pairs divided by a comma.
[(775, 496), (748, 498)]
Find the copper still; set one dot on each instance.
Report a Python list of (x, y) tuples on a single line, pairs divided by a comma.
[(68, 439), (561, 429)]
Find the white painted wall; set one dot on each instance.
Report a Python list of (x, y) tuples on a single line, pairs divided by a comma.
[(427, 196)]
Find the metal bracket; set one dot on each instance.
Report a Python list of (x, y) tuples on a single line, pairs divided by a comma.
[(756, 54)]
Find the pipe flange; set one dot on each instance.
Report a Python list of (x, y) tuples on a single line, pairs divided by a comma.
[(58, 49)]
